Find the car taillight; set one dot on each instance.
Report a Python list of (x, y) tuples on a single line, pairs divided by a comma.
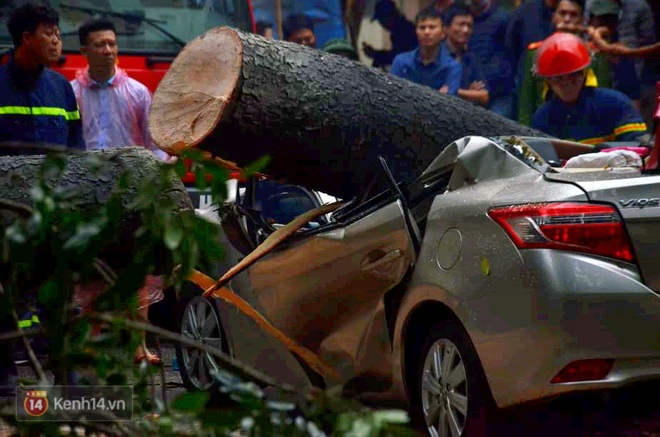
[(582, 227)]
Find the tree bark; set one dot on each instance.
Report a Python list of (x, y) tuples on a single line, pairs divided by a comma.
[(19, 173), (322, 118)]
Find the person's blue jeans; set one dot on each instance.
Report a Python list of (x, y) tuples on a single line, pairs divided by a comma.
[(502, 105)]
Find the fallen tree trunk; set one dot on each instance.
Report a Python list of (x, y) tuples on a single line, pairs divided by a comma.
[(18, 174), (323, 119)]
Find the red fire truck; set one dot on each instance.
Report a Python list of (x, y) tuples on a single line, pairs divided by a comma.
[(150, 33)]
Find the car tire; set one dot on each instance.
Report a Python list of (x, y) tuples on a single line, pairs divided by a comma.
[(450, 396), (195, 365)]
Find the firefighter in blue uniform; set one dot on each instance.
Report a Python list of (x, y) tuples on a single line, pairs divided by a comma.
[(37, 106), (578, 112)]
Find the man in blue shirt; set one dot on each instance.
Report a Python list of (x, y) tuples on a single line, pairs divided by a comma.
[(459, 22), (487, 44), (431, 64), (575, 112)]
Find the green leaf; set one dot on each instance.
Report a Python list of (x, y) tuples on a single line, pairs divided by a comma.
[(218, 190), (216, 170), (193, 154), (257, 166), (94, 163), (48, 292), (34, 223), (280, 406), (80, 330), (390, 416), (180, 168), (193, 402), (200, 176), (85, 233), (124, 181), (173, 233), (48, 204), (360, 428), (229, 419), (166, 423), (37, 194), (67, 192), (16, 234), (53, 166), (206, 235)]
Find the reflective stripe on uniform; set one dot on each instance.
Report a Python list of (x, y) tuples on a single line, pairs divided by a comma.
[(630, 127), (40, 110), (597, 140), (27, 323), (23, 324)]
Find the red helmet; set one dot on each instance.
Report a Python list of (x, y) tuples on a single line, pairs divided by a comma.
[(561, 53)]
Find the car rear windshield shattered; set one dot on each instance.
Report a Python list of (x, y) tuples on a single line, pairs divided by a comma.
[(521, 150)]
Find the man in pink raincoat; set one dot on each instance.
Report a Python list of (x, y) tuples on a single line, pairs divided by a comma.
[(114, 107)]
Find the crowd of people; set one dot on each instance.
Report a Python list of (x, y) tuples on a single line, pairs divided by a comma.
[(598, 87)]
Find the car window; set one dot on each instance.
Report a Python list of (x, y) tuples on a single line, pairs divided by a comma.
[(281, 203)]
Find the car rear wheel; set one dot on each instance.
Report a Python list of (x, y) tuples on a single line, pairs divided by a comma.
[(199, 321), (451, 398)]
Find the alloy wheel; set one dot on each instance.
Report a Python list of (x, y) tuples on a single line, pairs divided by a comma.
[(201, 324), (444, 390)]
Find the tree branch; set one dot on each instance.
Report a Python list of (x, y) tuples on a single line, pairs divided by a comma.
[(109, 276), (240, 369), (13, 335), (19, 208)]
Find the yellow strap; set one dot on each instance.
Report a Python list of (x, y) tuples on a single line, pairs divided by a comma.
[(40, 110), (591, 80)]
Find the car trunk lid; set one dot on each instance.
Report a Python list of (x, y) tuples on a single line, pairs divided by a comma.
[(638, 200)]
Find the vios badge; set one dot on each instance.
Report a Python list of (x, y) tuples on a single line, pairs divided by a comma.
[(640, 203)]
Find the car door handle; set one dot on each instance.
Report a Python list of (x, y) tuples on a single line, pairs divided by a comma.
[(383, 260)]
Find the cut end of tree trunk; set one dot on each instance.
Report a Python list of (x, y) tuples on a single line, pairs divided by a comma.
[(192, 97)]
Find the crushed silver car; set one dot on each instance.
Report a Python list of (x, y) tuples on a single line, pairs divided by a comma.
[(491, 280)]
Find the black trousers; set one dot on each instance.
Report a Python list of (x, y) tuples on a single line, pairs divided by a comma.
[(7, 364)]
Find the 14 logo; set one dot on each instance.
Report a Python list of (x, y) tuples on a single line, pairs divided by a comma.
[(35, 402)]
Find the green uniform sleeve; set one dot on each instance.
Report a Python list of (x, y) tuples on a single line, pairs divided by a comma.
[(530, 97), (603, 70)]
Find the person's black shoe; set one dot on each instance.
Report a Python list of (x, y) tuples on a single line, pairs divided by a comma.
[(19, 355)]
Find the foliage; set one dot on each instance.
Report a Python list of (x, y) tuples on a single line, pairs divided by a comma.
[(58, 245)]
